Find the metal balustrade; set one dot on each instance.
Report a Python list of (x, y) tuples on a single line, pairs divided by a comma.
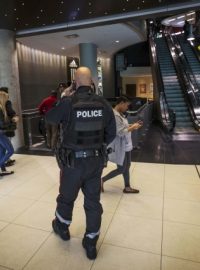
[(144, 114)]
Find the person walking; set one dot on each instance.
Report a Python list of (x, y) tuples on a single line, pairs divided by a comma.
[(122, 145), (51, 130), (6, 148), (87, 127), (13, 118)]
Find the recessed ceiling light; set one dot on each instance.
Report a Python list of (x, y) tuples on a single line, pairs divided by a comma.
[(191, 13), (181, 17), (63, 48), (117, 41), (72, 36), (171, 20)]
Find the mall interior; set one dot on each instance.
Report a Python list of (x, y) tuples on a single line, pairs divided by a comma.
[(146, 50)]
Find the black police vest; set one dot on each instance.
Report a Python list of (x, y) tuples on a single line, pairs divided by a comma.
[(86, 125)]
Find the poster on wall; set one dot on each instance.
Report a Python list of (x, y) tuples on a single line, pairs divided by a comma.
[(142, 88), (151, 88), (72, 65)]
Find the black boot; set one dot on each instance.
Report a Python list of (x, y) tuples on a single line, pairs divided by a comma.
[(61, 229), (90, 246)]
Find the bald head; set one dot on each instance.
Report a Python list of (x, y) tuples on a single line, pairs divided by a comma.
[(83, 77)]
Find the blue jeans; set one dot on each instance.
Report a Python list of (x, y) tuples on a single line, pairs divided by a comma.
[(6, 149)]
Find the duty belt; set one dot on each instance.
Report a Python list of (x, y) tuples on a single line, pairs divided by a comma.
[(87, 153)]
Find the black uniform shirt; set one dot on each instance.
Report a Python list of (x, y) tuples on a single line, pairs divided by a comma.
[(61, 114)]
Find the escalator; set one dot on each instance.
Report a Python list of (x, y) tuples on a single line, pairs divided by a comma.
[(192, 59), (172, 87)]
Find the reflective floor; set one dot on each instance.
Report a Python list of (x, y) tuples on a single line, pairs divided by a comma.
[(160, 147), (156, 229)]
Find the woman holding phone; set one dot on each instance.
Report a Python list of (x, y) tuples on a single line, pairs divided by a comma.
[(122, 145)]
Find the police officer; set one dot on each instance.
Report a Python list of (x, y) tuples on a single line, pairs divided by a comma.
[(87, 124)]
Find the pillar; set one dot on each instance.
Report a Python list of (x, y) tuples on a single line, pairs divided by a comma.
[(9, 74), (88, 58)]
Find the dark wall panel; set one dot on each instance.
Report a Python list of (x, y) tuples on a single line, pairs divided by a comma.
[(137, 55), (39, 73)]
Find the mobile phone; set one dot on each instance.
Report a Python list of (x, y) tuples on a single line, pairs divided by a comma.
[(140, 122)]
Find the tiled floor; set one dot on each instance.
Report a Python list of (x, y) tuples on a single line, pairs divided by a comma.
[(156, 229)]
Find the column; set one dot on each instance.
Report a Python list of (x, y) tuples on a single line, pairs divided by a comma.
[(9, 75), (88, 58)]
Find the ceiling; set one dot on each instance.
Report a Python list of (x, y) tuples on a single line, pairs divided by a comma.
[(43, 24), (45, 12), (108, 38), (39, 13)]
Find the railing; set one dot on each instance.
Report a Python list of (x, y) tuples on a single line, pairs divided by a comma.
[(195, 44), (144, 114), (31, 119)]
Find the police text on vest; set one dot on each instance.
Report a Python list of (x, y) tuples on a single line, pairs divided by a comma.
[(87, 114)]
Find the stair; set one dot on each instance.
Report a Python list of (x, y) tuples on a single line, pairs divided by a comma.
[(172, 88)]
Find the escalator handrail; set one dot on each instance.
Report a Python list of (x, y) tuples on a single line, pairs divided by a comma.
[(167, 121), (187, 73), (194, 45), (187, 67), (186, 83)]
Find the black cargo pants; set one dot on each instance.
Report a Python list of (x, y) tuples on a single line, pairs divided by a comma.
[(86, 175)]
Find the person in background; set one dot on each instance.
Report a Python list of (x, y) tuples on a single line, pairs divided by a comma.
[(186, 29), (6, 148), (62, 87), (13, 119), (51, 130), (122, 145)]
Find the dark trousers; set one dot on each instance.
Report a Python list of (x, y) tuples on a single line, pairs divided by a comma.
[(51, 133), (124, 170), (86, 175)]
